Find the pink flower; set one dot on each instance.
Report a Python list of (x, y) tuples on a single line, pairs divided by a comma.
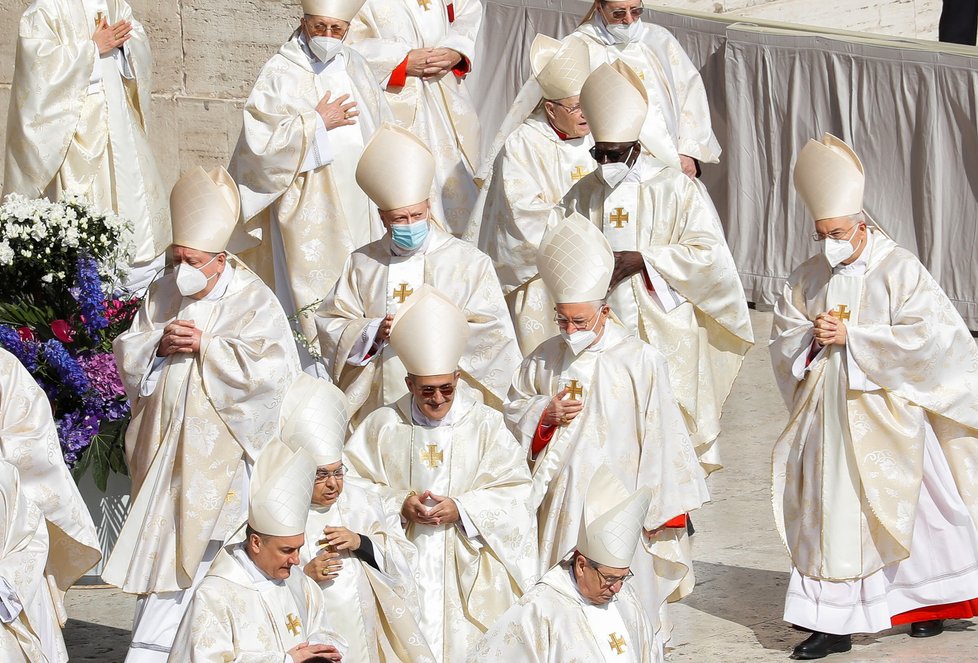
[(26, 334), (63, 331)]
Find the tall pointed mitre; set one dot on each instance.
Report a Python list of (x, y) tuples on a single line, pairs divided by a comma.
[(615, 103), (344, 10), (396, 168), (204, 208), (429, 333), (281, 490), (575, 261), (613, 520), (830, 178), (560, 68), (314, 418)]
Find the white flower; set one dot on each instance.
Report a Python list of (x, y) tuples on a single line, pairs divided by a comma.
[(47, 278), (6, 253)]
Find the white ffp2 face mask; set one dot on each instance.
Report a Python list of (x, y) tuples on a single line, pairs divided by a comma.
[(624, 34), (579, 341), (613, 174), (190, 280), (837, 250), (325, 48)]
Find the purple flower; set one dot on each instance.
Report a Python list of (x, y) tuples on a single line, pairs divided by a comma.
[(26, 353), (90, 298), (67, 368), (103, 375), (76, 431)]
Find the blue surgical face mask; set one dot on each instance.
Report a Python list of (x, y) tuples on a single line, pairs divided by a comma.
[(410, 236)]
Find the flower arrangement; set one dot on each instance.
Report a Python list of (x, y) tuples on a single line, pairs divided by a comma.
[(61, 306)]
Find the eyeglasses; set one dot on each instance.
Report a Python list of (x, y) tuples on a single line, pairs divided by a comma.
[(323, 475), (610, 581), (445, 390), (835, 234), (572, 110), (578, 323), (320, 29), (634, 12), (604, 155)]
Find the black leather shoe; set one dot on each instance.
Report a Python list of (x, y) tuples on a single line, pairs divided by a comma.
[(927, 629), (820, 645)]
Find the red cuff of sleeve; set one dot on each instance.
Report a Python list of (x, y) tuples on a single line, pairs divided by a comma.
[(812, 352), (462, 68), (648, 281), (399, 76), (542, 437), (678, 521), (451, 12)]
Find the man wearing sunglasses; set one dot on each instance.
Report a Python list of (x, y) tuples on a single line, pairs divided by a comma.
[(674, 284), (874, 490), (584, 608), (354, 548), (459, 477), (543, 157), (677, 126)]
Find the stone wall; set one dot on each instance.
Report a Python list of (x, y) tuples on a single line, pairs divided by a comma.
[(208, 53)]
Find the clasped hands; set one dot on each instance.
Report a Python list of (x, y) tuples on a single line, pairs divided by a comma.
[(445, 511), (327, 564), (427, 63), (179, 337), (829, 330), (560, 411)]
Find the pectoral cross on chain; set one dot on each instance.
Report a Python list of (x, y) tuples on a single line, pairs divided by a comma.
[(402, 292), (293, 624), (619, 217), (841, 312), (578, 173), (432, 456), (575, 390), (426, 4), (617, 643)]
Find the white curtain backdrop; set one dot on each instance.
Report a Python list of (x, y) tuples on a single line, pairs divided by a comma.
[(909, 108)]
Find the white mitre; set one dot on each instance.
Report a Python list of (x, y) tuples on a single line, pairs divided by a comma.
[(281, 490), (575, 261), (560, 68), (204, 208), (830, 178), (613, 520), (314, 418), (429, 333), (395, 169), (344, 10), (614, 103)]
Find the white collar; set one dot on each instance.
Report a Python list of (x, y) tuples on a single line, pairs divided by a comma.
[(256, 575), (861, 264), (418, 419), (222, 285)]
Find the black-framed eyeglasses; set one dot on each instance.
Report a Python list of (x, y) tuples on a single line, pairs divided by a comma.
[(634, 12), (604, 155), (323, 475), (445, 390), (610, 581)]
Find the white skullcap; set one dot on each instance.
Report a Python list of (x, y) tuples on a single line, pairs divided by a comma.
[(204, 208), (830, 178), (429, 333), (575, 261), (613, 520), (560, 69), (314, 418), (615, 103), (281, 490), (395, 169), (344, 10)]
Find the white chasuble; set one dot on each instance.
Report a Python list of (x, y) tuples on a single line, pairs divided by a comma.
[(299, 199), (77, 121), (678, 120), (376, 609), (910, 367), (29, 442), (239, 614), (473, 570), (705, 333), (370, 287), (554, 623), (534, 169), (630, 422), (192, 432), (439, 111)]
